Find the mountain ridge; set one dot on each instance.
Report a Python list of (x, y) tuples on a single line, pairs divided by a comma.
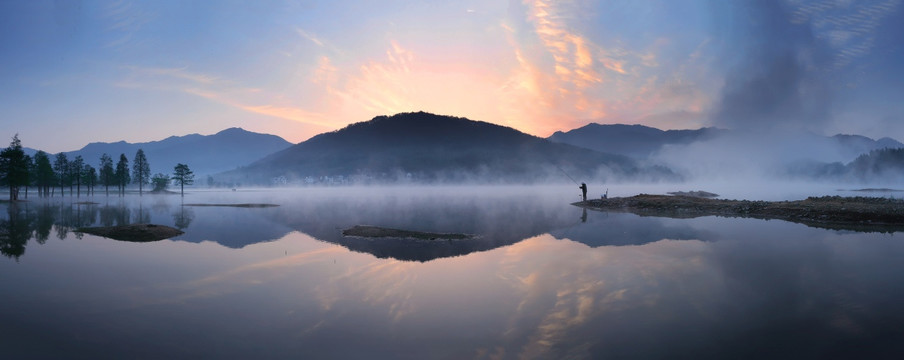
[(637, 141), (426, 147), (641, 142), (204, 154)]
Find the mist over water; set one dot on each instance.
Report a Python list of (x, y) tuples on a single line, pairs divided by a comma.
[(482, 250), (542, 279), (787, 67)]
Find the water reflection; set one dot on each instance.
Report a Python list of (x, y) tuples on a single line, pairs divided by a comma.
[(697, 288), (613, 229), (780, 291), (497, 219), (40, 219), (182, 218), (15, 231)]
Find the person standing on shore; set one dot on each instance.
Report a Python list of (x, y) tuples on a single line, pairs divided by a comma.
[(583, 188)]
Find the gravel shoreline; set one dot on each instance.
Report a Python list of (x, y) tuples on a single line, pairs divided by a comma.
[(833, 212)]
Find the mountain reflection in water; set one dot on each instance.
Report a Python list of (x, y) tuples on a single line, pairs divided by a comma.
[(494, 220), (546, 281)]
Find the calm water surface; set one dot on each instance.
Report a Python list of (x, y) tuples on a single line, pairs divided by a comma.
[(543, 279)]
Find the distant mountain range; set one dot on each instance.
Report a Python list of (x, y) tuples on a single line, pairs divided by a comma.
[(852, 146), (884, 165), (640, 142), (424, 147), (636, 141), (204, 154)]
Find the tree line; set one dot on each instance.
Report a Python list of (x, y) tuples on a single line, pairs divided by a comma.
[(46, 173)]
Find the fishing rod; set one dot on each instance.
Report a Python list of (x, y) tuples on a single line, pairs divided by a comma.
[(566, 174)]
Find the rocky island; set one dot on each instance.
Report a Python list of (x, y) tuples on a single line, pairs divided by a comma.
[(831, 212)]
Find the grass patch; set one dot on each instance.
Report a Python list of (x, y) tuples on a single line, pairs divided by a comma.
[(236, 205), (133, 232), (378, 232)]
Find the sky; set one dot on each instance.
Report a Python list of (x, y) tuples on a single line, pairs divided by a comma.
[(74, 72)]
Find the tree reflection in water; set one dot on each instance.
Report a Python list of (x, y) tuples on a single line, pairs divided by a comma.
[(25, 220), (183, 217), (15, 230)]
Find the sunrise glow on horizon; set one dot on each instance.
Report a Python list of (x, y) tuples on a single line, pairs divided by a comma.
[(142, 71)]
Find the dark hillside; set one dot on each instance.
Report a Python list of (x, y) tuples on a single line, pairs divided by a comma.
[(434, 148)]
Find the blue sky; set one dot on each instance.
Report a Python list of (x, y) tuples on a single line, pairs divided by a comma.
[(75, 72)]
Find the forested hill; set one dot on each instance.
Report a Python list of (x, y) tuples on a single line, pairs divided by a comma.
[(879, 164), (433, 148), (205, 154), (636, 141), (640, 142)]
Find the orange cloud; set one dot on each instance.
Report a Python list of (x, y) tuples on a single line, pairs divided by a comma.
[(541, 78)]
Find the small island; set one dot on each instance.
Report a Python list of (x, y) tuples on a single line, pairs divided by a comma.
[(133, 232), (832, 212), (235, 205), (381, 232)]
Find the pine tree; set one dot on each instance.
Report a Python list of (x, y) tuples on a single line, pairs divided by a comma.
[(77, 167), (61, 170), (141, 171), (122, 174), (14, 168), (43, 173), (107, 174), (89, 178), (182, 175)]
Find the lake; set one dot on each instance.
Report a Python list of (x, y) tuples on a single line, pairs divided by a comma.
[(541, 279)]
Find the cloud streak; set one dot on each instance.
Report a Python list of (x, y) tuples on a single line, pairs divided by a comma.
[(220, 90)]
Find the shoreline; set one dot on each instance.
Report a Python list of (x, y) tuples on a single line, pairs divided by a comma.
[(830, 212)]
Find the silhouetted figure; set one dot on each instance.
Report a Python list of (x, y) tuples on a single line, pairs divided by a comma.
[(583, 188)]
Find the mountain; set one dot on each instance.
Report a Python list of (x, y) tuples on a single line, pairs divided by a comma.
[(636, 141), (640, 141), (424, 147), (204, 154), (884, 165), (852, 146), (887, 164)]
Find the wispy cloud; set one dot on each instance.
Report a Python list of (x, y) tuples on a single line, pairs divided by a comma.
[(848, 27), (551, 77), (317, 40), (314, 39), (125, 18), (220, 90), (179, 73), (574, 60), (572, 79)]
